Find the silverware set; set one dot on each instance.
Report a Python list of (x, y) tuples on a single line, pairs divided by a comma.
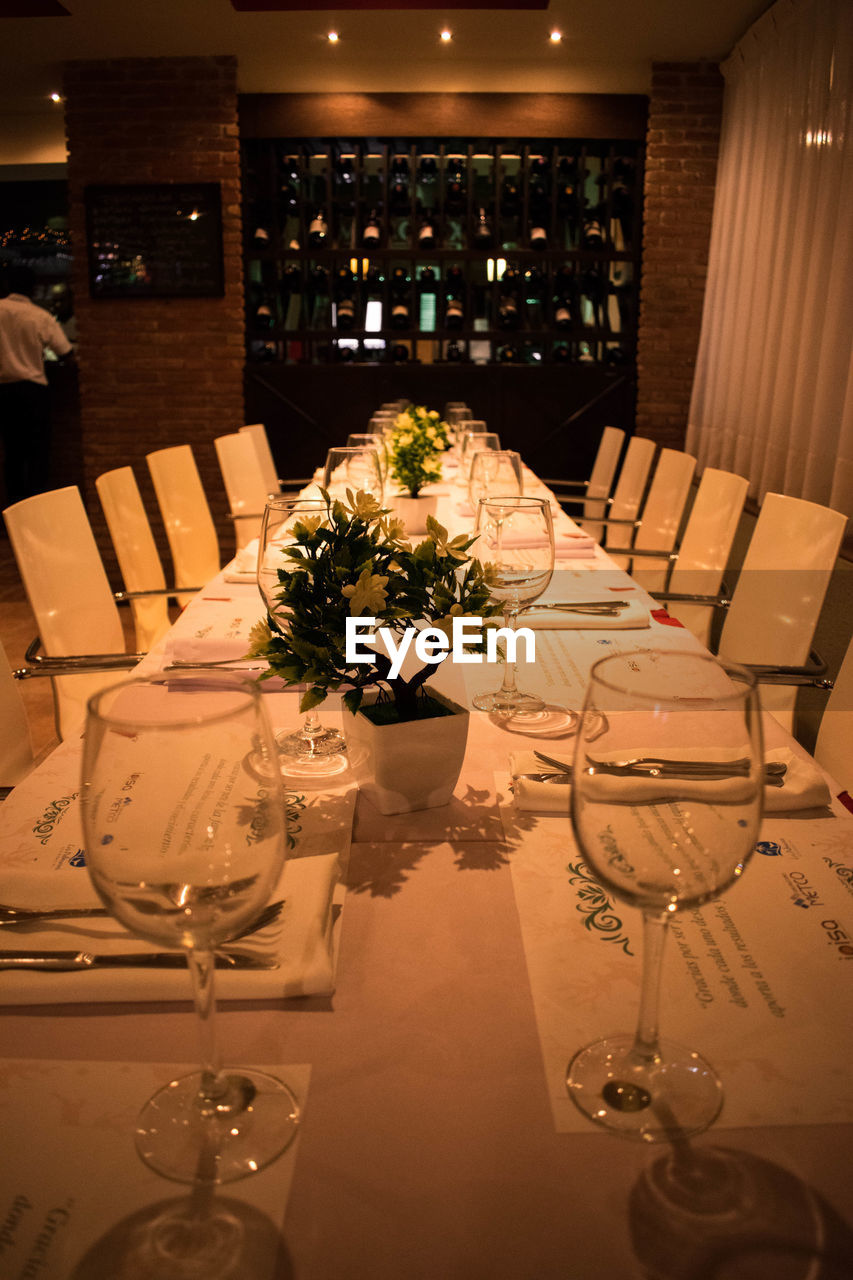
[(596, 608), (658, 767), (227, 957)]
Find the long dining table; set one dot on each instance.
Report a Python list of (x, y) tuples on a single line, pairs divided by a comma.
[(437, 971)]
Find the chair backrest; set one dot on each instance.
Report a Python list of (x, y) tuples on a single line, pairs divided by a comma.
[(258, 434), (244, 484), (136, 552), (16, 745), (663, 512), (706, 546), (834, 745), (601, 477), (69, 594), (780, 591), (186, 515), (629, 492)]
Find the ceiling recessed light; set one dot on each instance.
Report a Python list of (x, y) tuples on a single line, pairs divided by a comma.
[(556, 37), (56, 97), (446, 35), (333, 37)]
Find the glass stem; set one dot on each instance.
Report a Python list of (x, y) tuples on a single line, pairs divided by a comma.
[(645, 1048), (509, 685), (202, 966), (311, 724)]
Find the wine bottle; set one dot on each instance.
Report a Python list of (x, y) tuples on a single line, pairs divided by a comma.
[(509, 311), (508, 354), (427, 170), (482, 230), (564, 294), (261, 238), (398, 197), (426, 233), (318, 230), (264, 318), (371, 235), (454, 194), (400, 305), (510, 195), (454, 294), (427, 300), (593, 234), (345, 287)]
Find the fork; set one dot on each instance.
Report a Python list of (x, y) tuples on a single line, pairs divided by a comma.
[(25, 915), (774, 770)]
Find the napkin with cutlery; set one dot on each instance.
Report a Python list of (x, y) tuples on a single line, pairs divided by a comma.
[(803, 787), (634, 615), (43, 865)]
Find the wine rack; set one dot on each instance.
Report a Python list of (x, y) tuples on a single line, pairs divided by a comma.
[(450, 251)]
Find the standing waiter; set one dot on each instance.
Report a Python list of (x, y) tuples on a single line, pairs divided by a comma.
[(25, 331)]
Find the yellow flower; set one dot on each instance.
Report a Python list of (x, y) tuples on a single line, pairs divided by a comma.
[(437, 534), (363, 504), (259, 637), (393, 529), (367, 596)]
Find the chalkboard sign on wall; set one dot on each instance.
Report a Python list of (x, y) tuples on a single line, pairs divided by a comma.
[(155, 240)]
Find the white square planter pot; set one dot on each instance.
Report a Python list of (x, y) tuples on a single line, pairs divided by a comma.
[(404, 767), (414, 511)]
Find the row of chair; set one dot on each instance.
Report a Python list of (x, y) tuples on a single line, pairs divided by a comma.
[(770, 619), (79, 625)]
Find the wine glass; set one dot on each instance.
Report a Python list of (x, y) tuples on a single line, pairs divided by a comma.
[(665, 837), (184, 846), (516, 546), (369, 440), (474, 442), (313, 742), (356, 468), (494, 471)]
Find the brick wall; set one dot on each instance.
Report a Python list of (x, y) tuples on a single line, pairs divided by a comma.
[(156, 371), (685, 109)]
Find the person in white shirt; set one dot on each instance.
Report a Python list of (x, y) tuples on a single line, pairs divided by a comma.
[(26, 331)]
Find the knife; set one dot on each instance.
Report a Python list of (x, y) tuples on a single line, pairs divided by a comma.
[(578, 605), (71, 961)]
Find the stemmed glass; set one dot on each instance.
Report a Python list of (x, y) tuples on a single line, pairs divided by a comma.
[(353, 468), (370, 440), (474, 442), (313, 742), (494, 471), (184, 846), (516, 546), (666, 804)]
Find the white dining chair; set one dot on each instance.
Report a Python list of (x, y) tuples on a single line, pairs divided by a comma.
[(78, 621), (244, 483), (593, 494), (700, 559), (834, 743), (257, 433), (775, 607), (621, 522), (16, 745), (189, 525), (662, 514), (136, 551)]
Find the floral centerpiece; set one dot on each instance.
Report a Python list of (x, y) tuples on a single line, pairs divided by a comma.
[(356, 562), (415, 445)]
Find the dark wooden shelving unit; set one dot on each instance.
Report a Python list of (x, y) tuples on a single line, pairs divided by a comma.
[(576, 297)]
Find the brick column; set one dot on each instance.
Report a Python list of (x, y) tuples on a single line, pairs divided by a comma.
[(683, 138), (156, 371)]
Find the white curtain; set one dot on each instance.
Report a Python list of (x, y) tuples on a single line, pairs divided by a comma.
[(773, 393)]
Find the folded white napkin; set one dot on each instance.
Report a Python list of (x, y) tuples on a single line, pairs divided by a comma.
[(634, 616), (205, 649), (804, 786), (300, 940)]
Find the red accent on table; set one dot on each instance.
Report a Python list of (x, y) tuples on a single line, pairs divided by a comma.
[(846, 799), (661, 615)]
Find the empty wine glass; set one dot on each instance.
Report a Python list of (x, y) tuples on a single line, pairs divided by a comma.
[(184, 847), (369, 440), (313, 743), (494, 471), (355, 469), (516, 547), (474, 442), (665, 837)]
